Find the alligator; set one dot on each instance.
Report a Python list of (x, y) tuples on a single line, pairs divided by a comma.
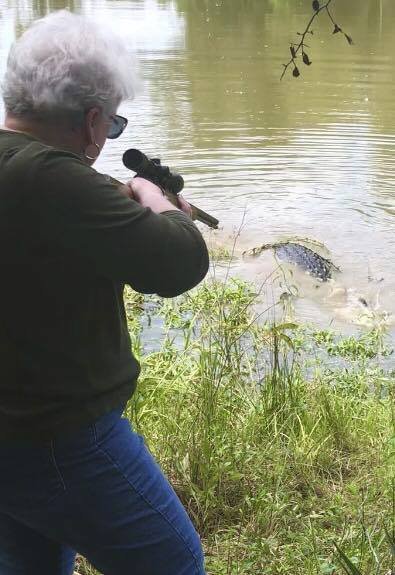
[(302, 256), (348, 303)]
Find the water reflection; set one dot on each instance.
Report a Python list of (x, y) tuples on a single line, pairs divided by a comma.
[(151, 27), (40, 8), (25, 11)]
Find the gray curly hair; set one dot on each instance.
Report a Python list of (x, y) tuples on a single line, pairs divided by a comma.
[(66, 64)]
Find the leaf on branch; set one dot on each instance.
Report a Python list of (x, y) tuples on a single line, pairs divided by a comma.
[(337, 29), (349, 39), (316, 5), (295, 72), (293, 53), (306, 59)]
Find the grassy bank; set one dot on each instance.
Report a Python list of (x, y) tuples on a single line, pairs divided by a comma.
[(279, 440)]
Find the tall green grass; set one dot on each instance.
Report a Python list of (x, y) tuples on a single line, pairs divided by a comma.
[(278, 452)]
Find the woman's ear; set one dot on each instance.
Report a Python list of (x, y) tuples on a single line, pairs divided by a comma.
[(91, 119)]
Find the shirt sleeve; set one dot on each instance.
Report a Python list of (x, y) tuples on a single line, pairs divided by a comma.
[(88, 217)]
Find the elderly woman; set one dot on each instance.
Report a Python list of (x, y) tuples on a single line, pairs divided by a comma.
[(74, 477)]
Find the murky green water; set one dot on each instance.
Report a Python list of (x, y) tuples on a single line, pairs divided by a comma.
[(313, 156)]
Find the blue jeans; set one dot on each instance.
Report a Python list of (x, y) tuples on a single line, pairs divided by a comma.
[(99, 493)]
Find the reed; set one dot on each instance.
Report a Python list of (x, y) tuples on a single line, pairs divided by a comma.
[(277, 450)]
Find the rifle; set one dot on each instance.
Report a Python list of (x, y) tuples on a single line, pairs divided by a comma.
[(170, 183)]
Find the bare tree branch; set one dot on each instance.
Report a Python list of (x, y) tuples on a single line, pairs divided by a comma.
[(295, 48)]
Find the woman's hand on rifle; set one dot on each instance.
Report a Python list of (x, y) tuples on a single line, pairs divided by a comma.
[(151, 196)]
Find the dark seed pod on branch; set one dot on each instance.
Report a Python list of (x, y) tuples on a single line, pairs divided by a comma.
[(316, 5), (297, 48)]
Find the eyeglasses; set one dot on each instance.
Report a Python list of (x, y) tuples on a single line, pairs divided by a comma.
[(118, 124)]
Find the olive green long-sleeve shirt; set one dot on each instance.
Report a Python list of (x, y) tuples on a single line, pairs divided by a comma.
[(69, 242)]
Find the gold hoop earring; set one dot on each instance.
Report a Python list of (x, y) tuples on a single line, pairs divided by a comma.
[(97, 151)]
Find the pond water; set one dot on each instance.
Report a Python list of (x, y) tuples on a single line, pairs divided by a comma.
[(312, 156)]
